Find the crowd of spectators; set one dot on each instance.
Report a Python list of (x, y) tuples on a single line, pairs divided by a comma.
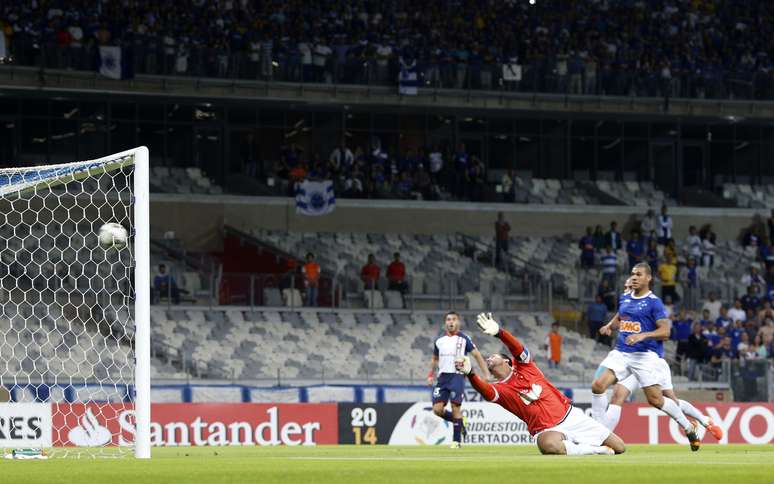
[(650, 240), (711, 333), (376, 173), (370, 275), (696, 48), (709, 339)]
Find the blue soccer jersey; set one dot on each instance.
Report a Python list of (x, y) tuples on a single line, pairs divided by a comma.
[(639, 315)]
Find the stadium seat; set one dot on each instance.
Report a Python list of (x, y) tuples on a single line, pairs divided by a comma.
[(394, 299), (292, 297), (272, 297), (474, 301), (417, 283), (373, 299)]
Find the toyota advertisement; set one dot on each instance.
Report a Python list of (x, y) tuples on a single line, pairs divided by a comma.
[(246, 424)]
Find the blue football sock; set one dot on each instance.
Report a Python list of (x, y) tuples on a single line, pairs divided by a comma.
[(457, 429)]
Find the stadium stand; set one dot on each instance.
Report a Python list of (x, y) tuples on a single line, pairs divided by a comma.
[(354, 44), (749, 196), (330, 179), (342, 344), (182, 180), (430, 258), (230, 342), (437, 269)]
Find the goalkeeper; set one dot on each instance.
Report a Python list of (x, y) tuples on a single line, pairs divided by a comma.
[(523, 390)]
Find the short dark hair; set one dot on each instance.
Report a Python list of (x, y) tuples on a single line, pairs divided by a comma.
[(643, 265), (396, 254), (450, 313), (309, 254)]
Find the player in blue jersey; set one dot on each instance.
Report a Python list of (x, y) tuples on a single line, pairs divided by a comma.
[(451, 346), (643, 325), (626, 387)]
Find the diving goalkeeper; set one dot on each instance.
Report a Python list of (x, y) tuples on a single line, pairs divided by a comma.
[(523, 390)]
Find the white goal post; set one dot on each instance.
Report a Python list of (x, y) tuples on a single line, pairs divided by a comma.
[(74, 314)]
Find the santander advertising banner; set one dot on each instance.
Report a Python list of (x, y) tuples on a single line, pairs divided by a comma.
[(742, 423), (197, 424), (226, 424)]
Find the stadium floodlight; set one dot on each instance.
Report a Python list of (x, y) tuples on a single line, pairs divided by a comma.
[(75, 305)]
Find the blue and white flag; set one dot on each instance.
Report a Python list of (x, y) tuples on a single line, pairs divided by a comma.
[(315, 198), (408, 83), (110, 62)]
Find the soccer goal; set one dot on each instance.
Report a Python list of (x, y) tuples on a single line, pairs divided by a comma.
[(75, 309)]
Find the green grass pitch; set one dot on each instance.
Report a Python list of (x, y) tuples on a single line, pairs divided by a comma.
[(730, 464)]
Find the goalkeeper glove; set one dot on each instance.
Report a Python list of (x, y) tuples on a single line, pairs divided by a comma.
[(487, 324), (463, 365)]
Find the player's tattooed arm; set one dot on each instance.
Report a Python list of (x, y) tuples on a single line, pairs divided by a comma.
[(663, 329), (481, 364)]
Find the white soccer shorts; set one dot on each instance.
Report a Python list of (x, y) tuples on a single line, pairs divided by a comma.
[(581, 429), (665, 378), (644, 365)]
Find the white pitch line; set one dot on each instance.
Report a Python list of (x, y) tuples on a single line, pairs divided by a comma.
[(424, 459), (469, 459)]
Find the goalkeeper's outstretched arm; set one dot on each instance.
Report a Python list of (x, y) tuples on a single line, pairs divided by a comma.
[(481, 364), (485, 389), (515, 346)]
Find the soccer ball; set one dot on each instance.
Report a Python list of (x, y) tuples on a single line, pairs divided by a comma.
[(113, 235)]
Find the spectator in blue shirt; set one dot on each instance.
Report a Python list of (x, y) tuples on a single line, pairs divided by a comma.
[(710, 332), (596, 317), (165, 285), (705, 319), (723, 320), (722, 352), (751, 300), (737, 333), (613, 237), (652, 254), (586, 245), (681, 330), (635, 249)]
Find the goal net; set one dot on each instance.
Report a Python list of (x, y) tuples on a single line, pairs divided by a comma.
[(74, 314)]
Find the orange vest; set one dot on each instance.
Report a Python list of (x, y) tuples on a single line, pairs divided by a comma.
[(555, 345), (312, 271)]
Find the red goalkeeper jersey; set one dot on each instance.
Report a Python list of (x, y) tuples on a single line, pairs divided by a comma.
[(526, 392)]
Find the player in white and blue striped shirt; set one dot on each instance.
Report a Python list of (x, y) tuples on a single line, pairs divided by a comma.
[(447, 348), (609, 262)]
